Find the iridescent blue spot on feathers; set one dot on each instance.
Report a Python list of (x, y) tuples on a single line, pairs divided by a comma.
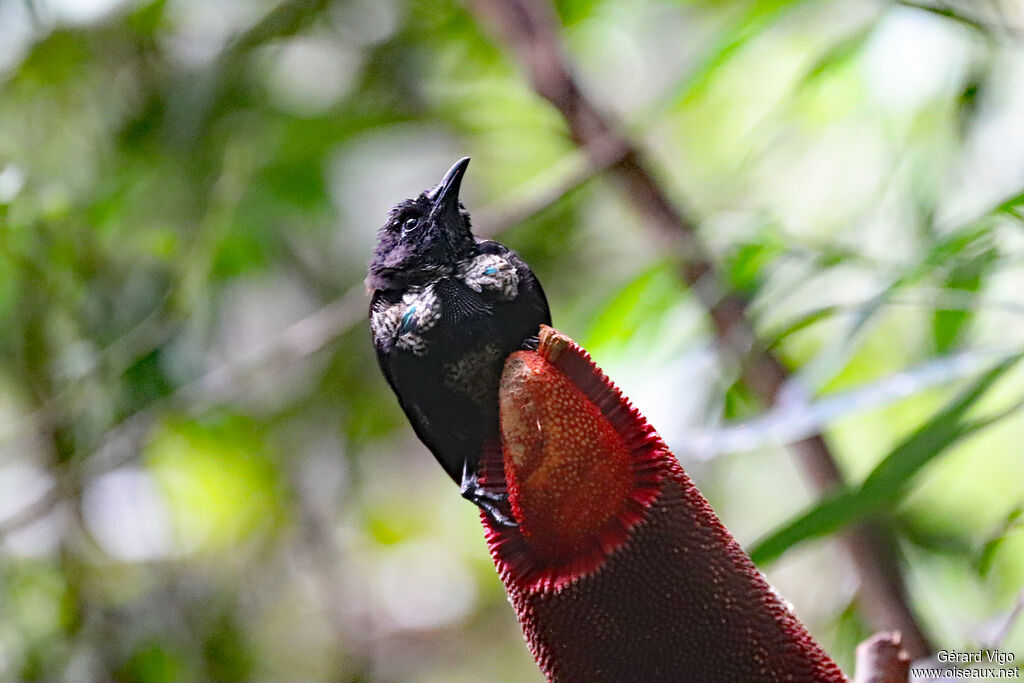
[(408, 321)]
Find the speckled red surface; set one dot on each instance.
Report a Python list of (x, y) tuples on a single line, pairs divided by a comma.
[(624, 582)]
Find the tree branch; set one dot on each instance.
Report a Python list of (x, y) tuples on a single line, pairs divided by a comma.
[(987, 29), (530, 29), (121, 443), (881, 659)]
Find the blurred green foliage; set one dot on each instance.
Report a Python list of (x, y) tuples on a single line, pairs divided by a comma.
[(204, 477)]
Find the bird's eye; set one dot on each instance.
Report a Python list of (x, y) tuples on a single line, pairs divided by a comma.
[(410, 224)]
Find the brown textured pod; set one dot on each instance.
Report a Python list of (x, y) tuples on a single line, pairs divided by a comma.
[(619, 570)]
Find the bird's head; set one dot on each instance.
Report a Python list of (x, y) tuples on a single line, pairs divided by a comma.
[(424, 237)]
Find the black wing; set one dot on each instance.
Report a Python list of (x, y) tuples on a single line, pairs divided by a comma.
[(531, 306), (400, 370)]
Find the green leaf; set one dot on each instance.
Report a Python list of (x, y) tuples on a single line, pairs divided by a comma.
[(758, 17), (1011, 206), (886, 484), (153, 661), (746, 264), (939, 254), (1011, 525), (802, 322), (146, 19), (739, 403), (839, 54), (966, 275), (648, 295)]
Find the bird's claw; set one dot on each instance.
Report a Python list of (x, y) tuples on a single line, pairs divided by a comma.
[(491, 508), (488, 501)]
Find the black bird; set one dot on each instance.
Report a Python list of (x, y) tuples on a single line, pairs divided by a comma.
[(448, 308)]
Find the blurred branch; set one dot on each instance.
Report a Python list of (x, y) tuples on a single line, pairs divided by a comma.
[(157, 326), (927, 298), (121, 443), (530, 29), (885, 486), (38, 509), (326, 559), (948, 12), (544, 191), (300, 339), (287, 19), (1011, 620), (790, 421), (882, 659), (32, 10)]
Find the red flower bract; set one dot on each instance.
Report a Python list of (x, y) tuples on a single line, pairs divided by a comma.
[(618, 568), (567, 469)]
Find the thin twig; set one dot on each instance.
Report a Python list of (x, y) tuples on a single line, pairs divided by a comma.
[(35, 510), (120, 444), (552, 186), (1011, 620), (990, 30), (530, 29), (790, 421), (881, 659)]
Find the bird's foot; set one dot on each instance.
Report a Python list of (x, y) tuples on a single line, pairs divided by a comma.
[(488, 501)]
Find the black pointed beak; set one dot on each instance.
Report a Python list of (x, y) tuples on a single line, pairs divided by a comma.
[(446, 195)]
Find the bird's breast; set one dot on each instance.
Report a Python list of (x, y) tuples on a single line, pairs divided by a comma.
[(444, 310), (474, 373), (401, 325)]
